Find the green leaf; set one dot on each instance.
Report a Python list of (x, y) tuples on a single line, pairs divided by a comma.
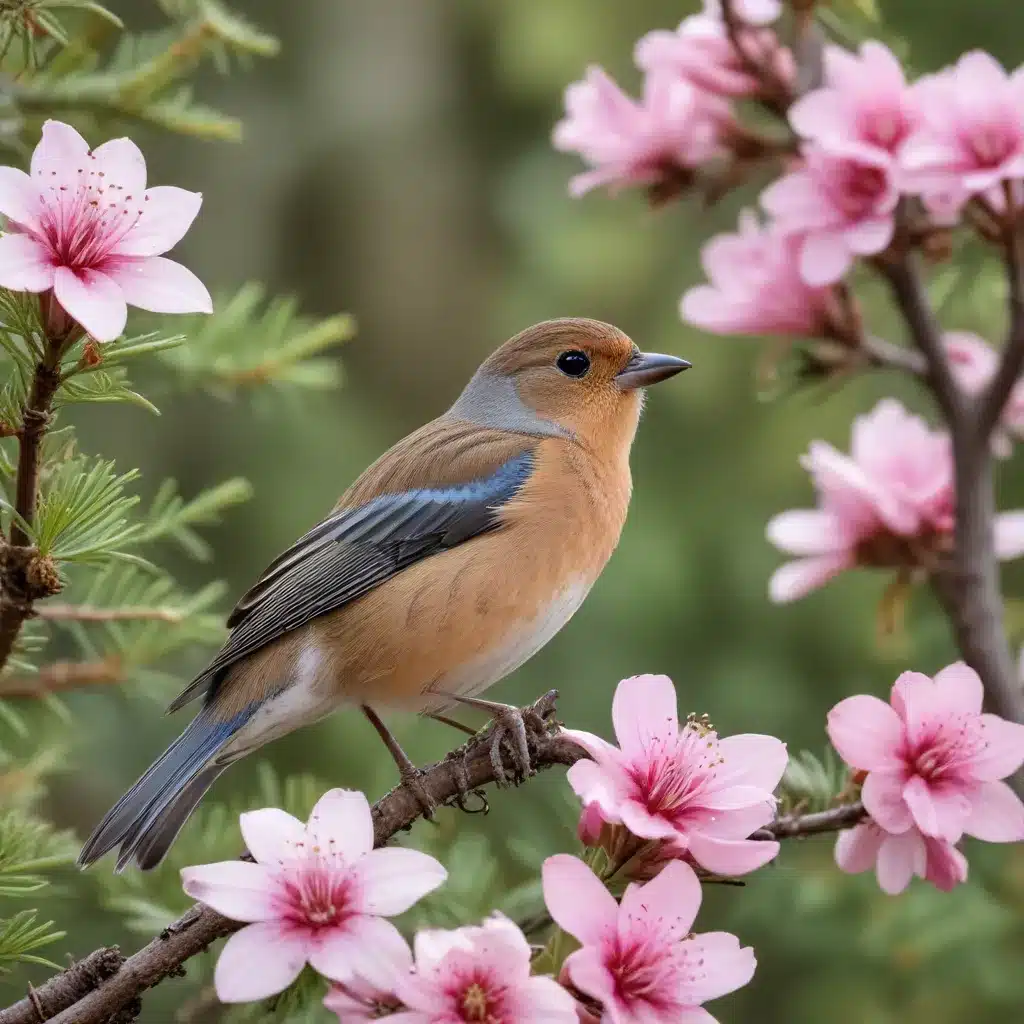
[(20, 935)]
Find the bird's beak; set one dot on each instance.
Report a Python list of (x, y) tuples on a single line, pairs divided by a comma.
[(648, 368)]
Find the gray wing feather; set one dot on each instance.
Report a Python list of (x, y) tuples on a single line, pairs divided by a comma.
[(355, 550)]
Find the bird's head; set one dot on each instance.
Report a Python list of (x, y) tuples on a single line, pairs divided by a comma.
[(571, 377)]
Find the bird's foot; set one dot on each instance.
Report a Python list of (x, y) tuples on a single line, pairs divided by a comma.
[(509, 731), (412, 779)]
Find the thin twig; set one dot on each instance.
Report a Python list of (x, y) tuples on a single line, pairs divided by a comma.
[(469, 767), (887, 356), (795, 826), (62, 676), (776, 95), (88, 613)]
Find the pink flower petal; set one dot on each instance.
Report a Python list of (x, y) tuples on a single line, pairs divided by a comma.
[(882, 794), (1003, 752), (824, 258), (599, 787), (61, 158), (726, 965), (341, 820), (545, 1001), (946, 865), (997, 815), (24, 264), (899, 859), (738, 823), (587, 971), (797, 579), (271, 835), (167, 214), (958, 690), (160, 285), (675, 891), (642, 822), (259, 961), (857, 848), (643, 713), (393, 879), (94, 300), (938, 811), (911, 697), (121, 163), (606, 755), (366, 947), (576, 899), (730, 857), (752, 759), (1009, 535), (866, 732), (806, 532), (234, 888), (19, 197)]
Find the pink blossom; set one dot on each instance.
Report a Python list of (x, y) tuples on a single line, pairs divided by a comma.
[(639, 959), (756, 287), (974, 363), (898, 857), (971, 136), (840, 204), (317, 893), (889, 503), (85, 225), (683, 784), (700, 51), (865, 101), (934, 761), (480, 974), (629, 142), (361, 999)]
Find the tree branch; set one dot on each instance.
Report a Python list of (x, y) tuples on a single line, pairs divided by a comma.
[(64, 675), (18, 587), (447, 782), (65, 989)]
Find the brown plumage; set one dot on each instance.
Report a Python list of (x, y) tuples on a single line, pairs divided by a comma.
[(448, 563)]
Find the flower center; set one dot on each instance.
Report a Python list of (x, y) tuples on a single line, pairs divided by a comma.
[(478, 1005), (991, 144), (676, 770), (318, 894), (947, 748), (857, 188)]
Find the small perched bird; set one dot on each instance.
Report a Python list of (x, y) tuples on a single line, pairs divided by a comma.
[(451, 561)]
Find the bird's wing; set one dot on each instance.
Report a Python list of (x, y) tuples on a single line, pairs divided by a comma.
[(367, 540)]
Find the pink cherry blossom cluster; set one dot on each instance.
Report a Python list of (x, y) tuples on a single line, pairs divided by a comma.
[(890, 503), (932, 765), (83, 228), (685, 117), (319, 894)]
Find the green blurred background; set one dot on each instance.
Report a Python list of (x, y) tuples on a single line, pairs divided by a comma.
[(396, 165)]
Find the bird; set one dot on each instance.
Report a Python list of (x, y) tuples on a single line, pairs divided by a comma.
[(445, 566)]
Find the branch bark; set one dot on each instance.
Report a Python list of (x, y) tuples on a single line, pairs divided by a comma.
[(18, 588), (447, 782)]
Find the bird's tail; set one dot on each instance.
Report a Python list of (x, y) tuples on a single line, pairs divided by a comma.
[(146, 820)]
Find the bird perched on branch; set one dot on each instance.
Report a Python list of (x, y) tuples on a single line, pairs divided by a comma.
[(452, 560)]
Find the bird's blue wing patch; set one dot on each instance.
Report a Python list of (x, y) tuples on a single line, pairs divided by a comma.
[(357, 549)]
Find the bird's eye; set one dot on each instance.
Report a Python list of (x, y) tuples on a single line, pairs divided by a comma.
[(574, 363)]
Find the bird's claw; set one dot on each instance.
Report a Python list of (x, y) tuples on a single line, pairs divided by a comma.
[(510, 729), (412, 780)]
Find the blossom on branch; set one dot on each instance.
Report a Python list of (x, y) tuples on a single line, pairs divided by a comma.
[(971, 135), (898, 857), (479, 974), (702, 795), (890, 503), (84, 225), (671, 131), (934, 760), (639, 958), (755, 286), (701, 52), (317, 893), (839, 204)]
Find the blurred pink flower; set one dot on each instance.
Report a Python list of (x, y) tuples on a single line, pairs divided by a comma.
[(480, 974), (898, 857), (318, 894), (639, 959), (889, 503), (680, 783), (630, 142), (756, 287), (974, 363), (840, 204), (84, 224), (971, 135), (934, 761), (865, 100), (700, 51)]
